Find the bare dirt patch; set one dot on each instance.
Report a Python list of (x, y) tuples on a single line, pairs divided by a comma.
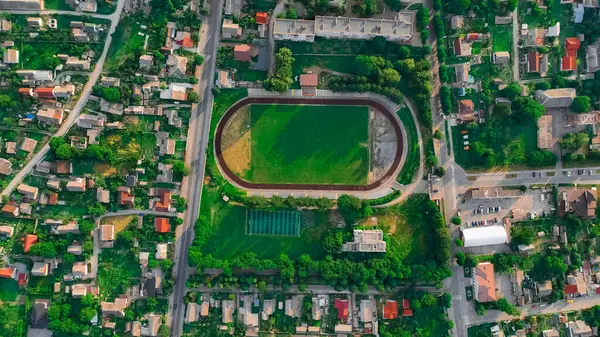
[(120, 222), (236, 140), (105, 169), (388, 222), (383, 145), (131, 120)]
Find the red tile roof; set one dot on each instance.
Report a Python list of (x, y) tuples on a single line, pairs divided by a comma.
[(53, 199), (261, 18), (28, 241), (572, 44), (568, 63), (533, 58), (6, 272), (23, 279), (162, 225), (390, 310), (242, 52), (407, 312), (164, 203), (309, 80), (25, 91), (571, 289), (342, 308), (45, 92)]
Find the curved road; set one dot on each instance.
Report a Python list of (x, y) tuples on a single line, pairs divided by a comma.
[(83, 98)]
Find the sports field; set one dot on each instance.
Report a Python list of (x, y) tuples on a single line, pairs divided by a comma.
[(308, 144)]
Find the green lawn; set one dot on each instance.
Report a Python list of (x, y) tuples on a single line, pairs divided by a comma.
[(9, 290), (116, 273), (251, 75), (501, 37), (228, 239), (411, 165), (309, 144)]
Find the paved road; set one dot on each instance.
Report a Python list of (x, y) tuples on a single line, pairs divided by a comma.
[(196, 159), (114, 16), (83, 98), (515, 46)]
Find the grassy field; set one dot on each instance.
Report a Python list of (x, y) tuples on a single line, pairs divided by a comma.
[(411, 237), (309, 144), (228, 238), (501, 37), (413, 156)]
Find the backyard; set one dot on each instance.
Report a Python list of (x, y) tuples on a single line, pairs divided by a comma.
[(308, 144), (501, 38)]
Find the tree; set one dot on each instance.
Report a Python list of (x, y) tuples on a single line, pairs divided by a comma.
[(163, 331), (428, 300), (291, 13), (460, 258), (44, 249), (422, 17), (86, 314), (526, 109), (403, 52), (503, 305), (459, 242), (112, 94), (574, 141), (447, 300), (471, 260), (282, 79), (581, 104), (456, 220), (333, 241), (368, 8), (542, 86), (390, 76), (424, 36), (65, 152), (6, 101), (511, 91), (459, 6), (480, 309), (437, 5), (198, 60), (522, 235), (179, 168), (193, 97)]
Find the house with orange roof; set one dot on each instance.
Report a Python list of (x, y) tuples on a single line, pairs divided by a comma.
[(242, 52), (45, 93), (390, 309), (10, 210), (8, 273), (342, 308), (261, 18), (28, 241), (164, 203), (569, 61), (162, 225)]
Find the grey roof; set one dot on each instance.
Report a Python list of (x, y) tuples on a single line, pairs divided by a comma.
[(556, 98)]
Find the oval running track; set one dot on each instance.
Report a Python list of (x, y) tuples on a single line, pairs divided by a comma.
[(307, 101)]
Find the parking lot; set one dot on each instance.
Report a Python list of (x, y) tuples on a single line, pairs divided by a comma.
[(517, 205)]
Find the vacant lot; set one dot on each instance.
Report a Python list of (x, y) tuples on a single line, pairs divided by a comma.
[(308, 144), (501, 38)]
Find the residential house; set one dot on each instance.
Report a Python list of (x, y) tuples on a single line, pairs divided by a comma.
[(110, 81), (466, 110), (293, 306), (262, 22), (390, 309), (28, 241), (576, 285), (7, 231), (11, 56), (80, 289), (146, 62), (230, 30), (116, 308), (80, 269), (553, 31), (399, 29), (227, 308), (174, 91), (534, 37), (161, 251), (76, 185), (191, 313), (107, 233), (581, 201), (8, 273), (484, 283), (342, 308), (72, 227), (25, 208), (76, 63), (462, 73), (75, 249), (579, 329), (294, 30), (124, 196), (569, 61), (90, 121), (28, 145), (164, 202), (223, 79), (33, 22), (63, 167), (462, 48), (550, 333), (543, 288), (167, 147), (5, 25), (242, 52), (36, 76), (102, 195), (5, 166), (556, 98), (40, 269), (592, 55), (501, 57), (406, 310), (10, 210), (11, 148), (27, 191), (50, 116), (161, 225), (177, 65)]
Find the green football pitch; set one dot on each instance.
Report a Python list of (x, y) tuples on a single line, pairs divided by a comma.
[(309, 144)]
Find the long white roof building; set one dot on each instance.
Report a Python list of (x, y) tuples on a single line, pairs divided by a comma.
[(484, 236)]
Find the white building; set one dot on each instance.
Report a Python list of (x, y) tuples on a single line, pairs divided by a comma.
[(484, 236)]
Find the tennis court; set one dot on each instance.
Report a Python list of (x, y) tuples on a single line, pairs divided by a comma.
[(273, 223)]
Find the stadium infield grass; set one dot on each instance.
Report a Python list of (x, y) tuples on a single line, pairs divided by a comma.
[(309, 144)]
